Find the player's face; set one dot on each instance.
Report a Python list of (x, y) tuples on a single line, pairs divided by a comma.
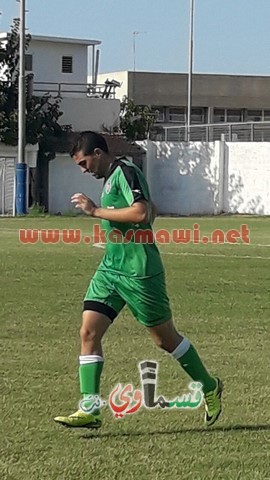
[(90, 163)]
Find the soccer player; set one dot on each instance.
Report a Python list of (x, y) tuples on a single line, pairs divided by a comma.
[(131, 273)]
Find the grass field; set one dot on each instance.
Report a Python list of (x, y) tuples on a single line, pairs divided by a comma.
[(220, 296)]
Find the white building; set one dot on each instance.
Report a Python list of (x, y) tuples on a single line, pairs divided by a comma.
[(60, 60), (61, 66)]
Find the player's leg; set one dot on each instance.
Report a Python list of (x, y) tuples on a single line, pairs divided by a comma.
[(94, 326), (150, 305), (166, 337), (91, 361), (101, 306)]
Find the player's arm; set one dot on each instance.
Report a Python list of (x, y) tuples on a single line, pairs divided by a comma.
[(136, 213), (153, 212), (140, 212), (133, 190)]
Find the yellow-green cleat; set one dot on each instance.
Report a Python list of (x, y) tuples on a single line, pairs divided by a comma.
[(80, 419), (213, 406)]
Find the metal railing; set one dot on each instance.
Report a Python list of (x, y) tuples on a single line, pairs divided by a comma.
[(7, 186), (230, 132), (106, 90)]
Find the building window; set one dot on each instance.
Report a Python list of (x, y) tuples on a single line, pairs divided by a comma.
[(234, 115), (177, 115), (67, 64), (227, 115), (254, 115), (28, 63), (219, 115), (197, 116), (266, 115), (159, 113)]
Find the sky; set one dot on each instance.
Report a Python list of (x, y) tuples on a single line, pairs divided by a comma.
[(230, 36)]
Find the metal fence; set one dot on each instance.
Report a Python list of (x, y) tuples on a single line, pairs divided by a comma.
[(106, 90), (230, 132), (7, 186)]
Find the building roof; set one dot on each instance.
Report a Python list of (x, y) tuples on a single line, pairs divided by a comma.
[(118, 145), (44, 38), (195, 74)]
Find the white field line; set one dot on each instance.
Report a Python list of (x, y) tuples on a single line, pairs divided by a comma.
[(219, 255), (187, 254), (99, 245)]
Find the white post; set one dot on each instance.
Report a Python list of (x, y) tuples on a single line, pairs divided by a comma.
[(134, 50), (21, 139), (190, 67), (93, 63), (21, 167)]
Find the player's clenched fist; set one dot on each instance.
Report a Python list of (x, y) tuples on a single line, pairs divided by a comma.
[(84, 203)]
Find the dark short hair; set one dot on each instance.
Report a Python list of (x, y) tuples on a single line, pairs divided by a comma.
[(87, 142)]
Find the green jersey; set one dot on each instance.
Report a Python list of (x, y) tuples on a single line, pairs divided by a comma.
[(130, 248)]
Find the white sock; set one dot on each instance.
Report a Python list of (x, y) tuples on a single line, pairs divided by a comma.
[(85, 359), (181, 349)]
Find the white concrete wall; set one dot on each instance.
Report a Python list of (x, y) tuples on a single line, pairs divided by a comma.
[(184, 179), (209, 178), (90, 113), (121, 77), (65, 179), (47, 61), (248, 178)]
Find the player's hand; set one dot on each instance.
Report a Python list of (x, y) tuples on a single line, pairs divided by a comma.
[(83, 202)]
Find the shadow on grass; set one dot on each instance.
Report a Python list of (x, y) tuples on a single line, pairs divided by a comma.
[(232, 428)]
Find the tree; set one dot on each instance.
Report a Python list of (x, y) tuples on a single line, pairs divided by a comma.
[(135, 120), (42, 113)]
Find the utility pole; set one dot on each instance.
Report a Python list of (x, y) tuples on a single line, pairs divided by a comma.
[(21, 168), (190, 72), (134, 59), (134, 48)]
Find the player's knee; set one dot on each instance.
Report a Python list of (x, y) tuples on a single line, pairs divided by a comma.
[(161, 342), (88, 335)]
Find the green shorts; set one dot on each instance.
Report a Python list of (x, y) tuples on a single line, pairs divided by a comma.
[(147, 299)]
